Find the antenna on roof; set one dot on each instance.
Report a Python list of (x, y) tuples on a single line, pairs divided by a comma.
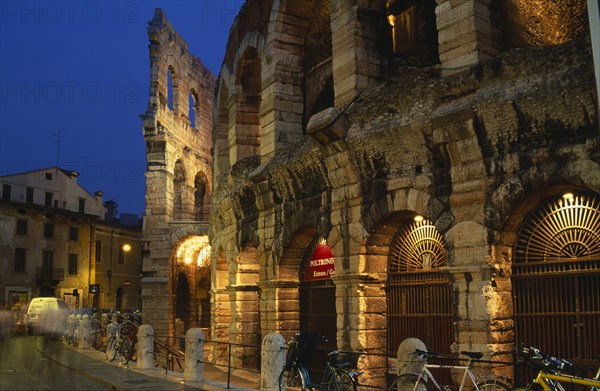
[(58, 139)]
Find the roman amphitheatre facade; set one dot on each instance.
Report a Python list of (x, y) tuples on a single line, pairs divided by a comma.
[(378, 170)]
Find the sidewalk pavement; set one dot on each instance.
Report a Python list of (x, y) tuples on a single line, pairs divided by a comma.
[(119, 377)]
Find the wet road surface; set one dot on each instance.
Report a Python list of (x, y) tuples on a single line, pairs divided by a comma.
[(23, 367)]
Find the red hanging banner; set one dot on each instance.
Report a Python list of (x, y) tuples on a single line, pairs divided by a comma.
[(321, 266)]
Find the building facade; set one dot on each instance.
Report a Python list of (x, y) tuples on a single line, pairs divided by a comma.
[(52, 232), (445, 152)]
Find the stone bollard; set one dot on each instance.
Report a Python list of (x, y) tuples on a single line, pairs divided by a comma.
[(145, 347), (272, 361), (410, 363), (85, 332), (194, 355)]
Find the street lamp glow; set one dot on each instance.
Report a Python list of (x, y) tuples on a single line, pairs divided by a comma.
[(418, 218), (126, 247)]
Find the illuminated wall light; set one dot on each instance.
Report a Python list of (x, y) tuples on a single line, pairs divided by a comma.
[(126, 247), (568, 196), (418, 218)]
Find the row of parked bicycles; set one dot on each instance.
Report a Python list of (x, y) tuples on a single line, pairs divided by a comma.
[(113, 332), (341, 373)]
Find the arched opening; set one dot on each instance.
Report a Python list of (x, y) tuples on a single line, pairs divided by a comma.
[(317, 296), (179, 178), (170, 89), (191, 276), (247, 130), (414, 31), (119, 299), (200, 191), (192, 108), (556, 275), (419, 296)]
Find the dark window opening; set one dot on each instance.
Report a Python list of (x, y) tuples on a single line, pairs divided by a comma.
[(72, 264), (73, 234), (192, 109), (81, 205), (19, 260), (29, 196), (49, 176), (170, 89), (48, 199), (414, 31), (21, 227), (47, 263), (98, 251), (49, 230), (6, 192)]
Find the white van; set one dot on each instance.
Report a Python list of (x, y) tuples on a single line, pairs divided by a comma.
[(47, 315)]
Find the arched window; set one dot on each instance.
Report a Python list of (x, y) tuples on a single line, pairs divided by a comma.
[(193, 101), (170, 100)]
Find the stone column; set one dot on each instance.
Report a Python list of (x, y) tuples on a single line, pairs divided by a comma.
[(465, 32), (85, 331), (356, 57)]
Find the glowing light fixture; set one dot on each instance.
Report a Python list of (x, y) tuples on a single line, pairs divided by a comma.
[(418, 218), (126, 247), (568, 196)]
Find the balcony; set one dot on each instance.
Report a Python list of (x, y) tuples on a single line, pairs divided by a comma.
[(53, 275)]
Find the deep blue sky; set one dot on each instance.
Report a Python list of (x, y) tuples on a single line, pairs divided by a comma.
[(83, 66)]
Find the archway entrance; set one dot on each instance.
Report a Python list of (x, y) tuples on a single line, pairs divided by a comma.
[(317, 296), (556, 275), (191, 283), (419, 296)]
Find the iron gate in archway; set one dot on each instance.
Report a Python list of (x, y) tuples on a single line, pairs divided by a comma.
[(556, 278), (419, 296)]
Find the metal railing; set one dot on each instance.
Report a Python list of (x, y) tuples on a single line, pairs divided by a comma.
[(169, 353)]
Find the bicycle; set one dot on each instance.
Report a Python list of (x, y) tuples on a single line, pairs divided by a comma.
[(550, 372), (425, 380), (339, 375)]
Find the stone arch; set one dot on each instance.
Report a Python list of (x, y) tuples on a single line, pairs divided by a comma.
[(245, 131), (179, 190), (201, 197), (223, 124), (190, 263)]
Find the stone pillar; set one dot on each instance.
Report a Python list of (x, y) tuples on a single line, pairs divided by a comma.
[(145, 347), (194, 355), (272, 361), (356, 56), (85, 331), (361, 306), (465, 32), (279, 306), (408, 363)]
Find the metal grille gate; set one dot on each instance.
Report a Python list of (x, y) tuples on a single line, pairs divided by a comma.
[(420, 306), (556, 278)]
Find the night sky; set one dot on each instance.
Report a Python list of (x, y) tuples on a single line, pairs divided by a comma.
[(80, 69)]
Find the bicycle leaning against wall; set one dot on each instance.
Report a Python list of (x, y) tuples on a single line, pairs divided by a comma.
[(425, 380), (550, 372), (339, 375)]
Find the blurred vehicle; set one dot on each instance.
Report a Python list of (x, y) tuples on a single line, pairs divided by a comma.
[(47, 316)]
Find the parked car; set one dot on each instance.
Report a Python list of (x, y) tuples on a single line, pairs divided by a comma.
[(47, 316)]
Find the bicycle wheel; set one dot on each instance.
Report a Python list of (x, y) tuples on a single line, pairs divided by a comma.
[(344, 381), (126, 351), (491, 385), (291, 379), (408, 382), (111, 348)]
